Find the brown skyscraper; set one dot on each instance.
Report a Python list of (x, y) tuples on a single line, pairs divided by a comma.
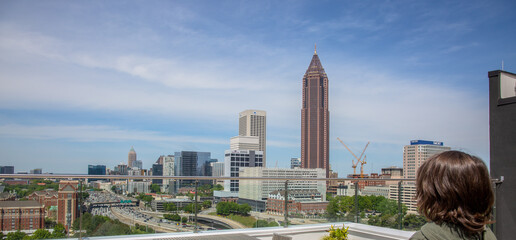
[(315, 118)]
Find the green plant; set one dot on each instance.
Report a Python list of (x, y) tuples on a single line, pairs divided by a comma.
[(337, 233)]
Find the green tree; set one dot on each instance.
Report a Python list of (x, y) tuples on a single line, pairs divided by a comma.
[(413, 221), (184, 219), (244, 209), (41, 234), (59, 231), (155, 188), (206, 204), (218, 187), (15, 235), (170, 207)]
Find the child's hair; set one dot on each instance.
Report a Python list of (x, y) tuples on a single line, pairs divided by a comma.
[(454, 188)]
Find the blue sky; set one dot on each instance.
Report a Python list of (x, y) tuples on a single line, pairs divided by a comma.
[(82, 82)]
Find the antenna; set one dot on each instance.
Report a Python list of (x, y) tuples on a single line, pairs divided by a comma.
[(502, 65)]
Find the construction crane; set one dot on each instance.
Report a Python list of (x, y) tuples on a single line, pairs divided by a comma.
[(354, 165), (362, 166)]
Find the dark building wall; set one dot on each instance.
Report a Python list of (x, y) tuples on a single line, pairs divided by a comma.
[(502, 134), (6, 169), (157, 170)]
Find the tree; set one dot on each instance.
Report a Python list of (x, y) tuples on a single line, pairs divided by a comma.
[(41, 234), (155, 188), (218, 187), (190, 208), (206, 204), (244, 209), (59, 231), (170, 207), (184, 219), (15, 235), (413, 221)]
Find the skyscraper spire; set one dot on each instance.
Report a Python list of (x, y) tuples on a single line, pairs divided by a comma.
[(315, 49)]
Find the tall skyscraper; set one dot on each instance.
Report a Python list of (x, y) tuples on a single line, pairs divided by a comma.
[(315, 118), (131, 158), (417, 152), (254, 123)]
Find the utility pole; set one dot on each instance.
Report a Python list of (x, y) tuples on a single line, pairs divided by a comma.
[(286, 203)]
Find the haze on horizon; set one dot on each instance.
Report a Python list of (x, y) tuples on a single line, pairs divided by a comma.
[(82, 82)]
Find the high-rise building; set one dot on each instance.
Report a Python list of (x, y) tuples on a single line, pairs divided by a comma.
[(191, 163), (36, 171), (96, 170), (168, 170), (131, 157), (417, 152), (157, 170), (254, 123), (414, 155), (315, 118), (138, 164), (67, 203), (234, 160), (295, 163), (6, 169), (245, 143)]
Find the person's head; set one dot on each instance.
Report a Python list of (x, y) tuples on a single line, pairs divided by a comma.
[(454, 188)]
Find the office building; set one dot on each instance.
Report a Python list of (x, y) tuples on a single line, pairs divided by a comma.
[(168, 170), (157, 170), (131, 158), (295, 163), (375, 191), (217, 170), (138, 164), (234, 160), (21, 215), (304, 202), (138, 187), (67, 203), (315, 118), (254, 123), (417, 152), (260, 189), (192, 163), (96, 170), (393, 172), (244, 143), (408, 193), (36, 171), (6, 169)]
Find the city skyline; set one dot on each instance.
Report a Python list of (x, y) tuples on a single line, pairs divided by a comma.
[(83, 82)]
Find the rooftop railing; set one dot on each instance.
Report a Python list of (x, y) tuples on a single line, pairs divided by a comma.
[(344, 203)]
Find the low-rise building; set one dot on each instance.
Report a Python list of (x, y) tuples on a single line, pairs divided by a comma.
[(21, 215), (260, 189), (305, 202)]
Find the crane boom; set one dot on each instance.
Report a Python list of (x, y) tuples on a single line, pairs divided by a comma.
[(349, 149)]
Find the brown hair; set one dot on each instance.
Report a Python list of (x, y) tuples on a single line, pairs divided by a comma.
[(454, 188)]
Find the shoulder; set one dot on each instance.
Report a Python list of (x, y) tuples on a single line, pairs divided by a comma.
[(489, 235), (418, 236)]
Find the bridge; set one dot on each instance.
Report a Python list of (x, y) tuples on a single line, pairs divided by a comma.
[(218, 222)]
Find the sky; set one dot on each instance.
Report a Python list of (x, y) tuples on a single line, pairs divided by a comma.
[(83, 81)]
